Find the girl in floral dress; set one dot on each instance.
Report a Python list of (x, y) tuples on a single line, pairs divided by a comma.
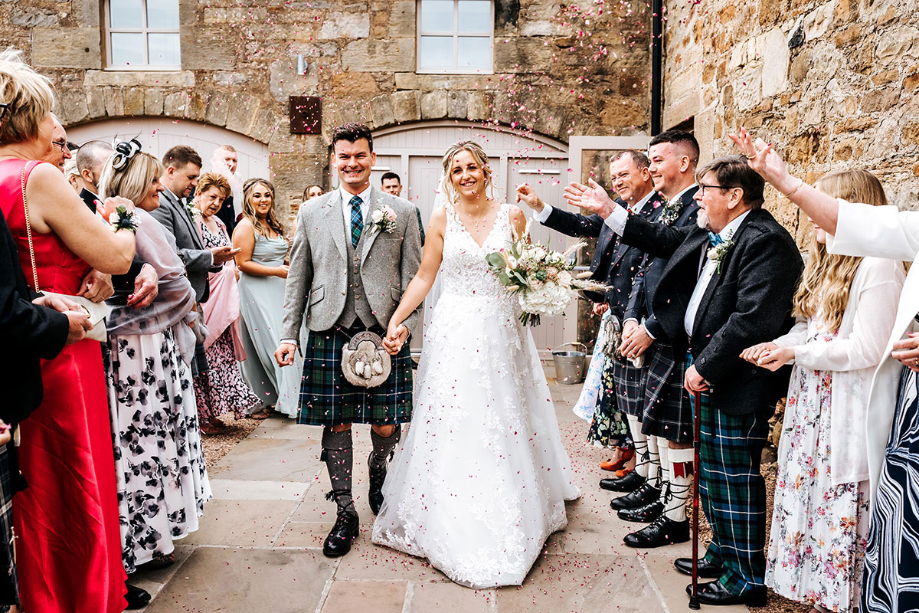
[(845, 308)]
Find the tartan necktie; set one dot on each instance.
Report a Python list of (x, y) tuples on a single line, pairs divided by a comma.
[(357, 220)]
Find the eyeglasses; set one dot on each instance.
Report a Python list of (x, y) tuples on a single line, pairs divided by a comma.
[(703, 187), (62, 144)]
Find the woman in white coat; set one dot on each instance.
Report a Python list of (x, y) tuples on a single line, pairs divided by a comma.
[(845, 306), (891, 581)]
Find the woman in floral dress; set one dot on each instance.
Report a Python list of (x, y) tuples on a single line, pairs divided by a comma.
[(845, 308), (220, 389), (159, 463)]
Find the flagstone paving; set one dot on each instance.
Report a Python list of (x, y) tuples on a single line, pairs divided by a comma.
[(259, 546)]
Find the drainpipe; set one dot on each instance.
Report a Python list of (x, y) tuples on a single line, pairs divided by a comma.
[(657, 77)]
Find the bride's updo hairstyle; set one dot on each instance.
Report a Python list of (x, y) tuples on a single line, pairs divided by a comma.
[(477, 153)]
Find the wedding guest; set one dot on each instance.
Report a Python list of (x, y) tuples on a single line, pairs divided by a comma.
[(224, 162), (29, 331), (312, 191), (138, 287), (392, 185), (845, 307), (68, 549), (262, 246), (221, 389), (615, 264), (162, 481), (73, 175), (742, 296), (891, 567), (59, 152)]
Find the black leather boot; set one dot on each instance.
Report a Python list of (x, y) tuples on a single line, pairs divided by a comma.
[(663, 531), (343, 533), (646, 494), (644, 514), (137, 598), (706, 569)]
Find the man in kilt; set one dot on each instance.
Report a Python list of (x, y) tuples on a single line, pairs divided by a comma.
[(349, 265), (618, 267), (728, 285), (667, 415)]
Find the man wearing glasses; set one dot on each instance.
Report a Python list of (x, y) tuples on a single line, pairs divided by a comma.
[(59, 152)]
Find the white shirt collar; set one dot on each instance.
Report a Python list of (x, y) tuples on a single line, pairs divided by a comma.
[(680, 195), (346, 196), (728, 231), (641, 203)]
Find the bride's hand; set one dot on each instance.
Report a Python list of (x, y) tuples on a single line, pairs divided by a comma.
[(395, 338)]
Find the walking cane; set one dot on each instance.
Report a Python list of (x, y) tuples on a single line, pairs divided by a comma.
[(696, 427)]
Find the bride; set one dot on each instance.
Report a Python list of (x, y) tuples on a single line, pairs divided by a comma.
[(482, 478)]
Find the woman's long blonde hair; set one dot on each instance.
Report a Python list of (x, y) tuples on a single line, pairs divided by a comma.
[(827, 278), (478, 154), (249, 211), (132, 181)]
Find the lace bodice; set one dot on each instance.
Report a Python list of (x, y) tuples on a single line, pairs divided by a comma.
[(464, 271)]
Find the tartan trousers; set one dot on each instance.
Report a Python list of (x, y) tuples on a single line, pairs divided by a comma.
[(733, 493)]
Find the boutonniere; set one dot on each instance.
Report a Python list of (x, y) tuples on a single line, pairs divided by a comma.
[(720, 249), (191, 210), (383, 219), (671, 212)]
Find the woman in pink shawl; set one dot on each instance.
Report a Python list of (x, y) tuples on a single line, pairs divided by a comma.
[(221, 388)]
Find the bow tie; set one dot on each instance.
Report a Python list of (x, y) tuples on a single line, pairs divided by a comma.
[(714, 239)]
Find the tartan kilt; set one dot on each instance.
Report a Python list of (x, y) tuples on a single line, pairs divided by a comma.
[(327, 399), (9, 585), (629, 382), (668, 412)]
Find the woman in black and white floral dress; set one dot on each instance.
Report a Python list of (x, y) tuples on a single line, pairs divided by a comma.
[(159, 463)]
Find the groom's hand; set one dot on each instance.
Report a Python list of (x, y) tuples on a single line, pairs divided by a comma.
[(284, 355), (395, 338)]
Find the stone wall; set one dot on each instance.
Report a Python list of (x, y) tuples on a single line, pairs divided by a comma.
[(560, 69), (832, 85)]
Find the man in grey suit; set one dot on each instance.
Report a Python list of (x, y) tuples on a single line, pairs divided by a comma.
[(182, 166), (347, 274)]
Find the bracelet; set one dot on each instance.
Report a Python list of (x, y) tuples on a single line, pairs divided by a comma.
[(792, 192), (121, 219)]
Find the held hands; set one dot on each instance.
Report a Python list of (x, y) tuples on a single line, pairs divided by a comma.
[(146, 288), (906, 351), (591, 197), (765, 161), (223, 254), (635, 340), (768, 355), (284, 354), (526, 195), (396, 335), (600, 308)]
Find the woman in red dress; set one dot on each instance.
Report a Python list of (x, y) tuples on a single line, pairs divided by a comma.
[(68, 546)]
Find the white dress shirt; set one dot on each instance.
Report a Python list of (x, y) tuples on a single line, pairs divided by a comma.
[(616, 221), (707, 273), (346, 206), (543, 215)]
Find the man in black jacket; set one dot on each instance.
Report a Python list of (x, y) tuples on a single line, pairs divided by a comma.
[(728, 285), (615, 264)]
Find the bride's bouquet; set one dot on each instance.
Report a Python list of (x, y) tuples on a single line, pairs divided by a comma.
[(541, 278)]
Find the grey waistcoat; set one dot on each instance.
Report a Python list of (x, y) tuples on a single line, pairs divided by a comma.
[(356, 305)]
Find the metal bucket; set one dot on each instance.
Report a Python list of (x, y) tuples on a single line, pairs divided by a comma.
[(570, 366)]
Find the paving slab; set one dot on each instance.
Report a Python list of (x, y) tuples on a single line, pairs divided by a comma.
[(241, 523), (225, 580), (380, 563), (672, 584), (270, 459), (448, 598), (232, 489), (277, 427), (375, 596)]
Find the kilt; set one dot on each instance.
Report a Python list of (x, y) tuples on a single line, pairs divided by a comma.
[(667, 410), (9, 586), (629, 383), (327, 399), (732, 492)]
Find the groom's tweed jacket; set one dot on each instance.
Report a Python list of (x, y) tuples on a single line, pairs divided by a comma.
[(317, 282), (747, 302)]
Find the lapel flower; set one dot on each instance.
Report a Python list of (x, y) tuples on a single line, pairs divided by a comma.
[(383, 219), (720, 249), (191, 210), (671, 212)]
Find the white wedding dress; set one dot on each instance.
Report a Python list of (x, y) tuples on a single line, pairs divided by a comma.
[(481, 479)]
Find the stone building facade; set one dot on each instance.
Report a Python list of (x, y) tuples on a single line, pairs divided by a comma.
[(832, 85), (560, 69)]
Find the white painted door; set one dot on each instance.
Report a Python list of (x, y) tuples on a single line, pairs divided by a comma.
[(159, 135)]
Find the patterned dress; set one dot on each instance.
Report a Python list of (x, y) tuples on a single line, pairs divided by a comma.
[(159, 462), (221, 389), (819, 530)]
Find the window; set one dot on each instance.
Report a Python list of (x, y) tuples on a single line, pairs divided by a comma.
[(143, 34), (456, 36)]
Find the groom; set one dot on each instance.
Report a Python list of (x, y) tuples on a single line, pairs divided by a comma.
[(347, 275)]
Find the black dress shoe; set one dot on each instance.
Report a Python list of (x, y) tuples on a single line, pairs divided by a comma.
[(628, 483), (377, 477), (639, 498), (706, 569), (662, 532), (136, 597), (644, 514), (714, 593), (343, 533)]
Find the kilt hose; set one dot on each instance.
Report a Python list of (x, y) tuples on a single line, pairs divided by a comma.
[(667, 410), (327, 399), (733, 493)]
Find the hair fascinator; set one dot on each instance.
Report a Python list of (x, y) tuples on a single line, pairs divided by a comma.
[(124, 151)]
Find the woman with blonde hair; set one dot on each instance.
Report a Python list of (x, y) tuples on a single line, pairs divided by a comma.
[(260, 236), (482, 477), (845, 307), (68, 547), (162, 479), (220, 389)]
